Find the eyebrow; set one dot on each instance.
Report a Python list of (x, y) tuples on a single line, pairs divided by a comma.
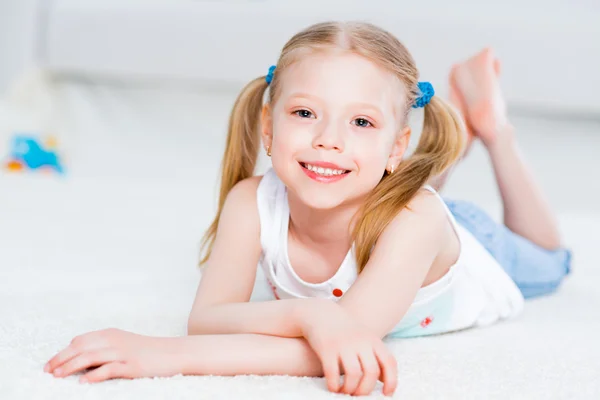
[(303, 95)]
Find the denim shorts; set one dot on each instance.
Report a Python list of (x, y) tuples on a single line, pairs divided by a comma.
[(535, 270)]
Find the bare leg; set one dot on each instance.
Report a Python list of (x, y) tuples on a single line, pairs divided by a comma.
[(456, 100), (526, 211)]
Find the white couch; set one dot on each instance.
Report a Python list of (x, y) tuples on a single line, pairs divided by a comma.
[(549, 48)]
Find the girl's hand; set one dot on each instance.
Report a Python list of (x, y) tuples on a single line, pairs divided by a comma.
[(342, 344), (116, 354)]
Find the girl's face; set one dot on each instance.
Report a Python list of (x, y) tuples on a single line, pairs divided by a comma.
[(335, 127)]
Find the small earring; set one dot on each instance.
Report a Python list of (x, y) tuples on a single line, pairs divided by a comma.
[(391, 171), (269, 151)]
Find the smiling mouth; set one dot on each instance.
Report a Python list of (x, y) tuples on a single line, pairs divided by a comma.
[(321, 171)]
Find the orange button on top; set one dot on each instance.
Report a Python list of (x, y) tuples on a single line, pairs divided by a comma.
[(337, 292)]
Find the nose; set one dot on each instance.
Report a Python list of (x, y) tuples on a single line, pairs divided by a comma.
[(329, 137)]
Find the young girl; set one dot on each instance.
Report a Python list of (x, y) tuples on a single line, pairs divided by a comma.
[(346, 228)]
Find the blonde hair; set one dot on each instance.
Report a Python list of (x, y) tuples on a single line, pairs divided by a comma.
[(440, 144)]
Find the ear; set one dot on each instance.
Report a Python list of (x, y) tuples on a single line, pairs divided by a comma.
[(399, 148), (266, 122)]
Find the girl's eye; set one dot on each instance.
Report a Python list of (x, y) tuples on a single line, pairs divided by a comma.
[(362, 123), (304, 113)]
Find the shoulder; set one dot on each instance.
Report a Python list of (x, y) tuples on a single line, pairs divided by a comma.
[(241, 205), (250, 190), (245, 190), (426, 207), (425, 216)]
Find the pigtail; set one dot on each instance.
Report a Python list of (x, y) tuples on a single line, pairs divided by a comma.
[(241, 150), (439, 147)]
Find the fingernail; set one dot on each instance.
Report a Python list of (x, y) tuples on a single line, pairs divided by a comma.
[(46, 367), (57, 371)]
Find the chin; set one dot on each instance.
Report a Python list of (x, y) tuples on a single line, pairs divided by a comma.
[(320, 196), (321, 200)]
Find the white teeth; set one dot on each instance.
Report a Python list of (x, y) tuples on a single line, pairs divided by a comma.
[(324, 171)]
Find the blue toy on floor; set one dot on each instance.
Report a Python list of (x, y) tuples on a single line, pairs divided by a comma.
[(28, 153)]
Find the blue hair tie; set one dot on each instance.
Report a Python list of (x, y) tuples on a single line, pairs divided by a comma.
[(269, 76), (425, 95)]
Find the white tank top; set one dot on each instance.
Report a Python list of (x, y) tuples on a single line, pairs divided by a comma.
[(475, 291)]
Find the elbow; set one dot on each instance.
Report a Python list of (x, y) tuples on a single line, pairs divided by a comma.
[(195, 328), (191, 327), (195, 324), (195, 320), (200, 321)]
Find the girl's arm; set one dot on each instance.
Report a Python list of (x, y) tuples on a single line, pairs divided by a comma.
[(230, 272), (399, 264), (121, 354)]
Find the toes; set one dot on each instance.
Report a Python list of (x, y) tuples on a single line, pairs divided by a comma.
[(487, 52), (497, 67), (485, 58)]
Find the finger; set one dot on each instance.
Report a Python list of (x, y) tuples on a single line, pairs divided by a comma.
[(88, 341), (331, 370), (371, 372), (59, 359), (389, 369), (107, 371), (352, 372), (86, 360)]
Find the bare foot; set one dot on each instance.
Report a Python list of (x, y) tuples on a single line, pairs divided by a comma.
[(476, 84)]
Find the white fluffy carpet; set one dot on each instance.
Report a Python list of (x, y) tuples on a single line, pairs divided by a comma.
[(80, 255)]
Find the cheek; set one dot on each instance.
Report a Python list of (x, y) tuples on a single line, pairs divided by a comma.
[(371, 153), (288, 138), (288, 141)]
